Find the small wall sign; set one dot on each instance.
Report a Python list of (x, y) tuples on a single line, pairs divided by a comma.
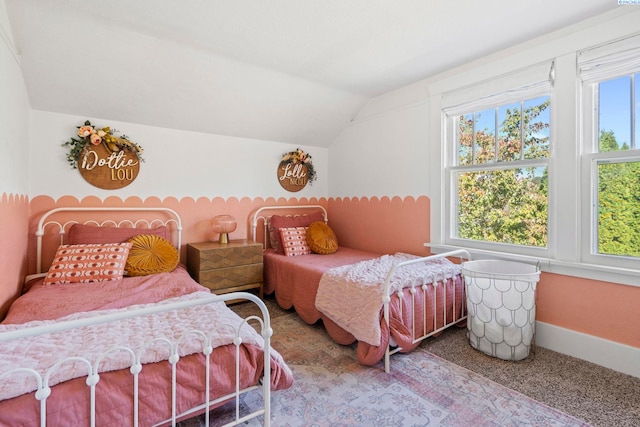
[(106, 169), (104, 160), (293, 177), (296, 170)]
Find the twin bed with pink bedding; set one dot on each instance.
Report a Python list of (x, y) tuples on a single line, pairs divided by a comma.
[(385, 303), (135, 351)]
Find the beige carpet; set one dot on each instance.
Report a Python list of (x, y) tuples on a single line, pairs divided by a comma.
[(332, 389), (598, 395)]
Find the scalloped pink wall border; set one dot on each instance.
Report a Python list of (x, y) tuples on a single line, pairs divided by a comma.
[(383, 225), (196, 214)]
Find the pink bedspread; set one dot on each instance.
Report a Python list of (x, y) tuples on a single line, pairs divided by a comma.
[(43, 351), (67, 405), (352, 295), (41, 302), (295, 281)]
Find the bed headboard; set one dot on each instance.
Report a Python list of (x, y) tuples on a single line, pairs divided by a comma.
[(59, 220), (264, 213)]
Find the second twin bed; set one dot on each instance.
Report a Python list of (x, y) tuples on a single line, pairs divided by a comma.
[(385, 303)]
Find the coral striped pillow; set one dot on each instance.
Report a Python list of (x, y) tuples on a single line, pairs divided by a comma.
[(88, 263), (294, 241)]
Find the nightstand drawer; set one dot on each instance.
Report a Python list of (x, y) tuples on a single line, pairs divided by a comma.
[(207, 256), (231, 276), (226, 267)]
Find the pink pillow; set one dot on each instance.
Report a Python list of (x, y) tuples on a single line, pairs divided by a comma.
[(82, 234), (88, 263), (294, 241), (277, 222)]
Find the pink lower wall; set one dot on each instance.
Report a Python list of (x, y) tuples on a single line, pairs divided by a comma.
[(14, 217), (196, 215), (384, 225), (606, 310), (602, 309)]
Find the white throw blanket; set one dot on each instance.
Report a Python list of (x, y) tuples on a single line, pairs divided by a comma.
[(41, 352), (351, 295)]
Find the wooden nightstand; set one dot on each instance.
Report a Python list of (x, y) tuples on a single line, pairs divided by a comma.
[(226, 267)]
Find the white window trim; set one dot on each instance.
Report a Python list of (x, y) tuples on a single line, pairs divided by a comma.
[(616, 58), (607, 61), (566, 201), (527, 83), (624, 276)]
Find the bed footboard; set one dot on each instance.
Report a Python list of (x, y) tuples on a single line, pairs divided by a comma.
[(452, 311), (46, 381)]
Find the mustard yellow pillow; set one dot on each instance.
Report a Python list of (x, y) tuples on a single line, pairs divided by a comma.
[(321, 239), (151, 254)]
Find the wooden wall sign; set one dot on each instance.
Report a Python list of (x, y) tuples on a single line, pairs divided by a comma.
[(104, 159), (108, 169), (293, 176), (296, 170)]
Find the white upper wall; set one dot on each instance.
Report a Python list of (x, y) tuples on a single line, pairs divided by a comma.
[(384, 155), (14, 116), (176, 163), (391, 148), (394, 145)]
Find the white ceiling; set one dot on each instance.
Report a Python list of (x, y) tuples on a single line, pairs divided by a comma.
[(294, 71)]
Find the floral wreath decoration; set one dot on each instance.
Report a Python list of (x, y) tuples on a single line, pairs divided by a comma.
[(299, 156), (90, 135)]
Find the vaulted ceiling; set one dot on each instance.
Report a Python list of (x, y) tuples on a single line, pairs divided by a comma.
[(294, 71)]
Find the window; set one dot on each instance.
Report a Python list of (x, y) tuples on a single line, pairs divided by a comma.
[(543, 169), (617, 169), (612, 152), (498, 169), (502, 178)]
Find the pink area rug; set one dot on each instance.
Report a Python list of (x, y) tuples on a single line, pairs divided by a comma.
[(332, 389)]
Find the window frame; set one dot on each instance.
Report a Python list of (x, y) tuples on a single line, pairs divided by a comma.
[(452, 169), (567, 199), (590, 158)]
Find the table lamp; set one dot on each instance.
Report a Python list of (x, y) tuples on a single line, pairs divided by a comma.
[(223, 224)]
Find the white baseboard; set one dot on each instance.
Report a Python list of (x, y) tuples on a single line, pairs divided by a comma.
[(619, 357)]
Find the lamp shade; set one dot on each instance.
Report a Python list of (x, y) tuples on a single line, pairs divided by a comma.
[(223, 224)]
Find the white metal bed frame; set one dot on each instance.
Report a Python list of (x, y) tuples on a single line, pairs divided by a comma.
[(264, 214), (93, 376), (171, 217)]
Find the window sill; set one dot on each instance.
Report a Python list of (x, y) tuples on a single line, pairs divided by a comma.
[(617, 275)]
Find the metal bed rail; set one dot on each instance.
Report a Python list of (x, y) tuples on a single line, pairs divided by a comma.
[(434, 283), (44, 388)]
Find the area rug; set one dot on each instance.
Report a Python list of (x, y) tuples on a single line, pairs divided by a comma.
[(332, 389)]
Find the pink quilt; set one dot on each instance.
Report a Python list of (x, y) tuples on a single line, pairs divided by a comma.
[(351, 295), (295, 282), (41, 302), (138, 333), (68, 403), (295, 279)]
